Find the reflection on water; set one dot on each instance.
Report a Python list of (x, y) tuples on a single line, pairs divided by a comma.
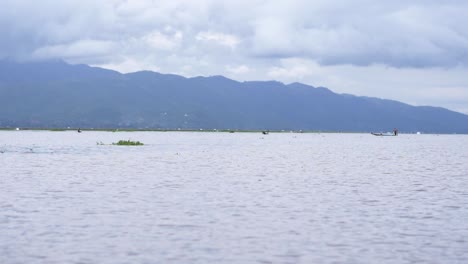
[(232, 198)]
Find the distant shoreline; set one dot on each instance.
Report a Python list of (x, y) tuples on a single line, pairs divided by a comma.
[(207, 130), (168, 130)]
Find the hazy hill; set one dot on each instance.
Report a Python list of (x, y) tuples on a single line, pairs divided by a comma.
[(56, 94)]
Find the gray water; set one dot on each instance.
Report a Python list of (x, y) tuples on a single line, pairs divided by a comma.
[(233, 198)]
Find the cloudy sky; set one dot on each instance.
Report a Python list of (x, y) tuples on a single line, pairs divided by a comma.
[(411, 51)]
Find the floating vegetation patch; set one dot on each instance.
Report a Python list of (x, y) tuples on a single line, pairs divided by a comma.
[(128, 143)]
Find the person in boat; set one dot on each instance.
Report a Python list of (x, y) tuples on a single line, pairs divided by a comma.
[(395, 131)]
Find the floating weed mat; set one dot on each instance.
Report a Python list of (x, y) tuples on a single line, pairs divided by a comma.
[(128, 143)]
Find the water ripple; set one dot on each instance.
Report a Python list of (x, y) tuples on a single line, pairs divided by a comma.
[(232, 198)]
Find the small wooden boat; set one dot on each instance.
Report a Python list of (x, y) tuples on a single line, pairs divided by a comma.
[(388, 134)]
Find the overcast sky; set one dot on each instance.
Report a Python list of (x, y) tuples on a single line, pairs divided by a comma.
[(411, 51)]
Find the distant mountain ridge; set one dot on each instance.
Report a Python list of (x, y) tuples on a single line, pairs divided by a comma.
[(57, 94)]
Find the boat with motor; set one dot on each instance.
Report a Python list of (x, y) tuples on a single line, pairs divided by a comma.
[(388, 134), (394, 133)]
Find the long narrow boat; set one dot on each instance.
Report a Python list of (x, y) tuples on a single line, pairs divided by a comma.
[(388, 134)]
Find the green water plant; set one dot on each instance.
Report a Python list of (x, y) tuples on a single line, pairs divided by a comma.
[(128, 143)]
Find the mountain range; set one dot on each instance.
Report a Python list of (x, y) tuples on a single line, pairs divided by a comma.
[(55, 94)]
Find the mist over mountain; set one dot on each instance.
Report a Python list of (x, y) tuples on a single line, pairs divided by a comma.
[(56, 94)]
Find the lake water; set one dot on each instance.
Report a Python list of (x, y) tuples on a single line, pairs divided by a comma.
[(189, 197)]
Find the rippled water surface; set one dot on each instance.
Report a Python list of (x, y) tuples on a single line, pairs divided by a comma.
[(232, 198)]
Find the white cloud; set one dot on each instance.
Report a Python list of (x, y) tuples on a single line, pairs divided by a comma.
[(126, 65), (228, 40), (237, 70), (162, 41), (296, 72), (361, 32)]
